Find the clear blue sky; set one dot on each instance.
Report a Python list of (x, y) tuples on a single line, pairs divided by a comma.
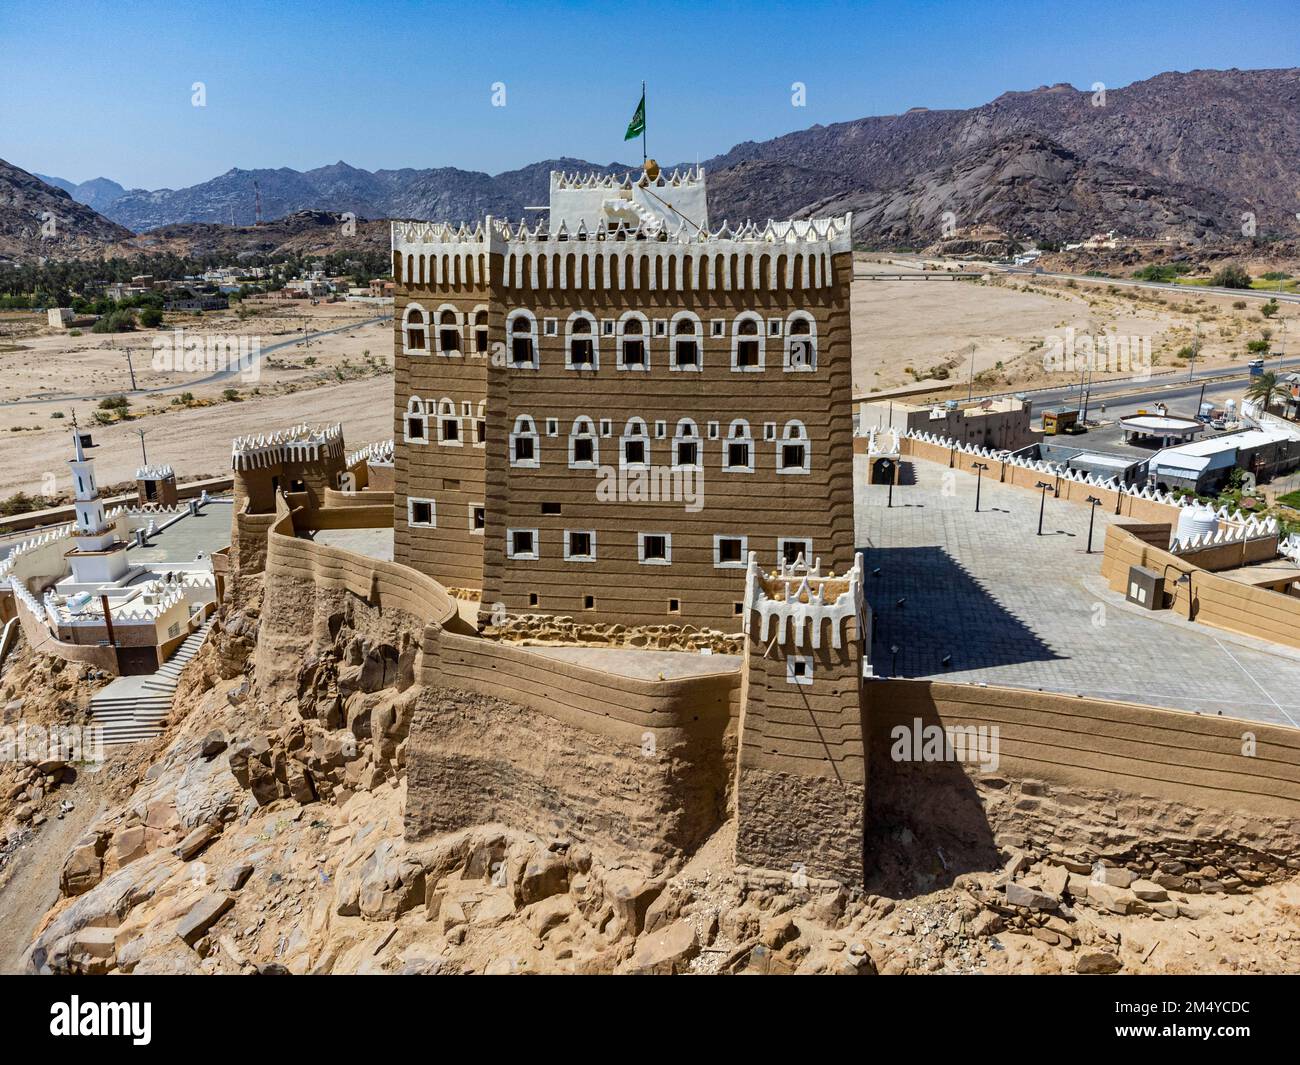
[(91, 89)]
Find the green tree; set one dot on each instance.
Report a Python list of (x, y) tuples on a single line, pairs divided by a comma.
[(1267, 389), (1231, 276)]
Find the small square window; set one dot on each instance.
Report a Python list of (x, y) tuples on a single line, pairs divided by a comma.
[(793, 456), (523, 448), (588, 602), (532, 598), (799, 669), (774, 327), (674, 606), (552, 426), (477, 517), (737, 456), (713, 430), (661, 327), (584, 449), (634, 452), (521, 543), (688, 453), (550, 508), (687, 355), (656, 548), (551, 327), (607, 327), (789, 550), (730, 551), (466, 409), (420, 512), (661, 430), (738, 608), (580, 546), (769, 430), (606, 427), (415, 427), (718, 327)]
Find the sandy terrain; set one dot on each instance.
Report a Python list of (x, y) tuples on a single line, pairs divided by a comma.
[(930, 326), (348, 379)]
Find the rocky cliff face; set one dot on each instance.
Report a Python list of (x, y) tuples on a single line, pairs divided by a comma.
[(40, 221)]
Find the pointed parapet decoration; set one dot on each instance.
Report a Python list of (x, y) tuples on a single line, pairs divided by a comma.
[(799, 595)]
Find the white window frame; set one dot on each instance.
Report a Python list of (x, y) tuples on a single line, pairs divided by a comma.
[(791, 676), (644, 338), (741, 562), (759, 337), (472, 327), (447, 413), (575, 434), (606, 427), (520, 312), (406, 318), (522, 556), (415, 408), (807, 552), (679, 436), (536, 460), (594, 336), (569, 556), (697, 336), (628, 435), (460, 332), (480, 418), (786, 438), (730, 439), (667, 560), (717, 327), (550, 327), (790, 338), (432, 523), (552, 426), (474, 530)]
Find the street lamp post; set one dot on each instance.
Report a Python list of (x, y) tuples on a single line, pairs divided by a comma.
[(1094, 503), (893, 660), (1042, 503), (979, 468)]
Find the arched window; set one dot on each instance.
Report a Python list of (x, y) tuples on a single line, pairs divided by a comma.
[(800, 343), (448, 424), (738, 448), (633, 350), (747, 344), (686, 446), (413, 329), (415, 429), (480, 332), (523, 340), (793, 453), (449, 340), (580, 349), (584, 448), (634, 445), (686, 342), (524, 445)]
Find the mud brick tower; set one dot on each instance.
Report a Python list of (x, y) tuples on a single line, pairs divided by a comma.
[(603, 416), (801, 771)]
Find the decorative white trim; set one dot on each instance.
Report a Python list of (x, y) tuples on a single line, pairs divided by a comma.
[(668, 549), (794, 432), (522, 556), (406, 318), (759, 338), (569, 556), (739, 562), (531, 334), (432, 523), (799, 669), (584, 429), (476, 530), (522, 433), (628, 436), (808, 363), (415, 409), (747, 439), (593, 336)]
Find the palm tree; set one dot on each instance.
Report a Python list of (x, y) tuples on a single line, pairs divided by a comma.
[(1266, 389)]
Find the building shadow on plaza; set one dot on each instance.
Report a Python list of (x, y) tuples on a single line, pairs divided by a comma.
[(930, 607)]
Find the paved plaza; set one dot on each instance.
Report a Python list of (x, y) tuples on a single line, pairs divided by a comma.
[(1006, 606)]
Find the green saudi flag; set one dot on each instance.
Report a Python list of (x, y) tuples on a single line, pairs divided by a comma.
[(637, 126)]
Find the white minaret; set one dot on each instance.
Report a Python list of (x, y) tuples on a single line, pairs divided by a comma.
[(99, 557)]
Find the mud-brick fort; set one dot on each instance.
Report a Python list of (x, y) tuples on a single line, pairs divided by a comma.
[(609, 563)]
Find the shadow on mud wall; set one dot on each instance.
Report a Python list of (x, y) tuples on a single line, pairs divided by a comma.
[(926, 823)]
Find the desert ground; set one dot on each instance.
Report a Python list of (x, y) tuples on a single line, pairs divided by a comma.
[(904, 332), (345, 376), (910, 331)]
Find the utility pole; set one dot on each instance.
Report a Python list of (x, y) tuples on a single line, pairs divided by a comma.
[(144, 455), (970, 388), (131, 370)]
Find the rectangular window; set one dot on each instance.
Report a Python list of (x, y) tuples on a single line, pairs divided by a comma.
[(634, 353), (421, 512), (415, 339), (521, 351), (450, 430), (584, 449), (551, 327), (718, 327), (713, 430), (687, 355), (552, 426), (477, 517), (581, 352), (729, 551), (655, 548), (449, 340), (769, 430), (580, 546), (688, 453), (747, 353), (789, 549), (606, 427), (415, 427), (661, 327), (738, 456), (634, 451), (521, 543), (480, 340), (551, 508), (793, 456), (523, 448), (661, 430), (480, 430), (774, 327), (799, 669)]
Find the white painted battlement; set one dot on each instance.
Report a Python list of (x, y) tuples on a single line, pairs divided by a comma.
[(798, 596), (154, 473), (301, 443), (379, 453)]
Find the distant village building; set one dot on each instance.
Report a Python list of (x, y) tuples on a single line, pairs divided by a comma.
[(1001, 424)]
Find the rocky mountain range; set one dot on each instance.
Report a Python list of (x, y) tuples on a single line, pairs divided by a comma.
[(38, 221), (1191, 155)]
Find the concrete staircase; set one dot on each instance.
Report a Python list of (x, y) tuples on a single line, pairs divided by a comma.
[(136, 708)]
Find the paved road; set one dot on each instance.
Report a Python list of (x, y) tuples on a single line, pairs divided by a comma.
[(215, 378), (1168, 286)]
